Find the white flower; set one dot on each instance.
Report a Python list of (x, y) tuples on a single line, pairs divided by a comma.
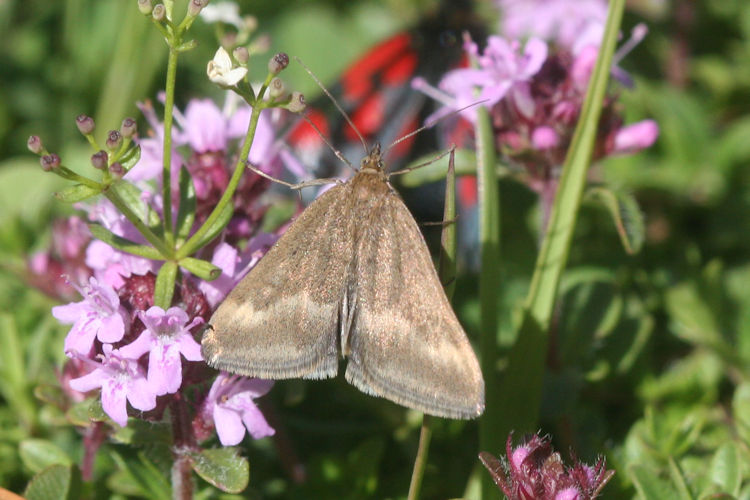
[(220, 70), (224, 12)]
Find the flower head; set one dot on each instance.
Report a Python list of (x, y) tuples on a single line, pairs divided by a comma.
[(221, 71), (121, 379), (167, 335), (98, 316), (230, 404), (534, 471)]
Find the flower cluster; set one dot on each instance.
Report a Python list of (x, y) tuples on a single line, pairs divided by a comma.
[(533, 471), (120, 342)]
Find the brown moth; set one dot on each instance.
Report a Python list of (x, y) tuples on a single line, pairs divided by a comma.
[(352, 277)]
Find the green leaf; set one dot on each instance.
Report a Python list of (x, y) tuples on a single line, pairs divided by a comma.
[(741, 410), (146, 475), (223, 468), (217, 227), (693, 319), (38, 454), (201, 268), (55, 482), (465, 164), (131, 196), (164, 288), (76, 193), (142, 433), (131, 157), (678, 480), (186, 212), (51, 394), (111, 239), (725, 468), (626, 215), (649, 486), (78, 414)]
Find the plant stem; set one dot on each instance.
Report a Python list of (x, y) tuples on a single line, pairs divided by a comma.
[(420, 462), (112, 196), (183, 442), (190, 245), (167, 150)]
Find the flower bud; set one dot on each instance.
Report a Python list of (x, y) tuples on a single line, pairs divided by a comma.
[(49, 162), (241, 55), (250, 23), (128, 128), (85, 124), (114, 140), (276, 88), (145, 7), (35, 144), (159, 12), (195, 7), (117, 170), (99, 160), (297, 103), (278, 63)]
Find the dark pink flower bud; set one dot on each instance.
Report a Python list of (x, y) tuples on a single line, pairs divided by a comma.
[(128, 128), (278, 63), (117, 170), (241, 55), (35, 144), (114, 140), (99, 160), (544, 138), (85, 124), (49, 162)]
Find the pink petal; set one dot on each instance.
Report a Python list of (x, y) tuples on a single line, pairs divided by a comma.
[(189, 348), (111, 328), (256, 423), (114, 403), (80, 338), (140, 394), (164, 370), (139, 346), (228, 426), (69, 313), (88, 382)]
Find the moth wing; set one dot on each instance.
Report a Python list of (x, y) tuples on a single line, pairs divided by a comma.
[(406, 343), (282, 320)]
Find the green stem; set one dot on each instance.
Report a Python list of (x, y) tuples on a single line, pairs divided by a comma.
[(167, 151), (420, 462), (489, 278), (190, 245), (112, 196)]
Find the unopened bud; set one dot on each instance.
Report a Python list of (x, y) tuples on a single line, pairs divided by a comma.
[(117, 170), (276, 88), (114, 140), (128, 128), (49, 162), (159, 12), (297, 103), (195, 7), (35, 144), (277, 63), (85, 124), (241, 55), (99, 160), (145, 7), (251, 23)]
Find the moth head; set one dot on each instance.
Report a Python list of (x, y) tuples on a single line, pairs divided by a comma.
[(373, 160)]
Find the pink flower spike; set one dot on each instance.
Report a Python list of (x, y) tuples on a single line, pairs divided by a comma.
[(166, 337), (121, 379), (230, 403), (568, 494), (98, 315), (636, 137), (544, 138)]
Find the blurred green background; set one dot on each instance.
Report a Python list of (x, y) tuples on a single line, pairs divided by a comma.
[(651, 361)]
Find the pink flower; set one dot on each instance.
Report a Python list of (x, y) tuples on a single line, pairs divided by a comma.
[(633, 138), (98, 316), (230, 403), (121, 379), (166, 337)]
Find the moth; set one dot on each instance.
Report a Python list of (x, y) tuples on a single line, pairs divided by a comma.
[(352, 277)]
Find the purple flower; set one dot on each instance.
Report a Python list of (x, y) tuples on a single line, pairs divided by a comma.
[(534, 471), (636, 136), (230, 404), (121, 379), (98, 315), (166, 337)]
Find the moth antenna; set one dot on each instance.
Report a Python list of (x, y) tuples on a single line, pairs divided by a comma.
[(296, 186), (425, 127), (335, 103), (330, 146), (429, 162)]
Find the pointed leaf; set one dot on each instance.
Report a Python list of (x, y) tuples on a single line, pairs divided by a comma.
[(147, 476), (186, 212), (725, 468), (52, 394), (678, 481), (201, 268), (124, 244), (53, 483), (626, 215), (649, 486), (131, 157), (164, 287), (38, 454), (76, 193), (132, 197), (218, 226), (223, 468), (142, 433), (433, 171)]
